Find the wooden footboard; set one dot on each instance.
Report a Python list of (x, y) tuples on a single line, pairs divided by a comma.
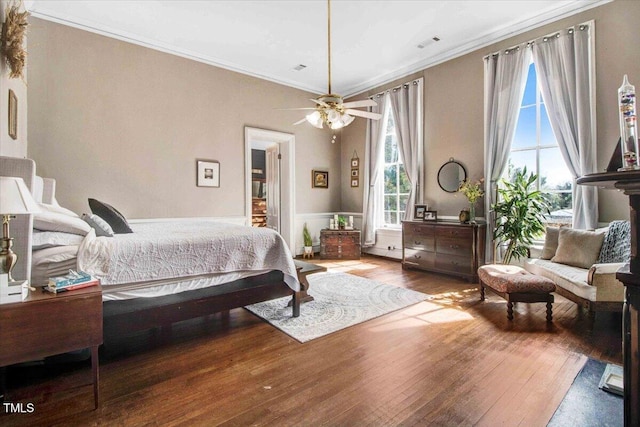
[(144, 313)]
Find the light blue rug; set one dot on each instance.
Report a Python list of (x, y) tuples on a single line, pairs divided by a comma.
[(341, 300)]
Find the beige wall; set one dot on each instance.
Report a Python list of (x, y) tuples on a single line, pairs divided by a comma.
[(125, 124), (453, 105), (9, 146)]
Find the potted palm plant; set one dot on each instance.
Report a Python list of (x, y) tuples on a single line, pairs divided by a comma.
[(308, 243), (520, 213)]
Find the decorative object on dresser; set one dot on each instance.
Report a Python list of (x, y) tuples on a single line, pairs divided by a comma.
[(208, 173), (418, 211), (444, 247), (15, 199), (339, 244), (430, 216)]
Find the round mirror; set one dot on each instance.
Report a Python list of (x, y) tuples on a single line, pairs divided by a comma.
[(450, 175)]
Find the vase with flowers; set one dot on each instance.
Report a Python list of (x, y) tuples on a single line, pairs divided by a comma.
[(472, 191)]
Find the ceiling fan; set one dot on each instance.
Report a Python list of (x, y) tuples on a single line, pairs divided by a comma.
[(330, 108)]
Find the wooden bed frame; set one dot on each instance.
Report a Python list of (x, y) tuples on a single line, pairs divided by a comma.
[(145, 313)]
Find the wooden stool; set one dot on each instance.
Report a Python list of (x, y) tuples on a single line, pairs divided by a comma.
[(515, 284)]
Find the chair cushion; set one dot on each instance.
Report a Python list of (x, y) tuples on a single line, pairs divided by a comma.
[(511, 278)]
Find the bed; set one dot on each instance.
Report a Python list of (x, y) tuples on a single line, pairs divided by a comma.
[(162, 272)]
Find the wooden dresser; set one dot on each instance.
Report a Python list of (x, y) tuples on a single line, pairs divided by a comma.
[(339, 244), (444, 247)]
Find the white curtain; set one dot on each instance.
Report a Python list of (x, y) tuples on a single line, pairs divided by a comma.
[(406, 107), (505, 76), (564, 63), (372, 215)]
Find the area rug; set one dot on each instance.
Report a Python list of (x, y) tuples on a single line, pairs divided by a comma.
[(341, 300), (585, 404)]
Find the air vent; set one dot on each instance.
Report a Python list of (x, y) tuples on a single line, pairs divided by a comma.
[(428, 42), (300, 67)]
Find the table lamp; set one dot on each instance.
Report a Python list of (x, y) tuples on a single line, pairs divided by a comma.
[(15, 198)]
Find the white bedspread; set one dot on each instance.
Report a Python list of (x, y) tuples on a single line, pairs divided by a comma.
[(168, 250)]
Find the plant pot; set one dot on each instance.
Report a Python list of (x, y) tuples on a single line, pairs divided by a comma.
[(308, 252)]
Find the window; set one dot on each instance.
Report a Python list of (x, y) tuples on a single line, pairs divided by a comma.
[(535, 147), (396, 184)]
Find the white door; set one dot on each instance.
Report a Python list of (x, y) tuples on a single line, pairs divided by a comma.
[(273, 186)]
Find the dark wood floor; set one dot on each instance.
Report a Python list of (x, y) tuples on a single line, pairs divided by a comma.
[(449, 361)]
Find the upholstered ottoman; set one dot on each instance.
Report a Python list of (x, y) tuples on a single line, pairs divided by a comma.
[(515, 284)]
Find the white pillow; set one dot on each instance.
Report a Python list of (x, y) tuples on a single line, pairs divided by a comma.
[(50, 239), (57, 209), (101, 226), (51, 221)]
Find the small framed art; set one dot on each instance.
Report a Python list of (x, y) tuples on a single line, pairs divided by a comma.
[(355, 182), (430, 216), (319, 179), (355, 162), (13, 115), (354, 173), (418, 211), (208, 173)]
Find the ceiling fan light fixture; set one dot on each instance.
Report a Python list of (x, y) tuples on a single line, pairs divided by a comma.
[(315, 119)]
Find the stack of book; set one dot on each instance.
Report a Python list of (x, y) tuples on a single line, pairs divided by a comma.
[(72, 281)]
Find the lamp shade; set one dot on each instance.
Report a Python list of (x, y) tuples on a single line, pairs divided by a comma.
[(15, 197)]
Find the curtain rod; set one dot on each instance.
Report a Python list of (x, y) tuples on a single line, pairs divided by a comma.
[(530, 43), (395, 89)]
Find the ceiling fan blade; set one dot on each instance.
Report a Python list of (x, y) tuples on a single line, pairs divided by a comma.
[(363, 103), (366, 114), (324, 104), (302, 108), (300, 121)]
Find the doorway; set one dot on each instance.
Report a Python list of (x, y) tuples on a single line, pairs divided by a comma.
[(277, 183)]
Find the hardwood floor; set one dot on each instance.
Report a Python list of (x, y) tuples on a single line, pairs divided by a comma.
[(452, 360)]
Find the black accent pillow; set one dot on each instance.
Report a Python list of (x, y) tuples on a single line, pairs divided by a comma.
[(115, 219)]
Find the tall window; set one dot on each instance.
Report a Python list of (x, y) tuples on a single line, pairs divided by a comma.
[(535, 147), (396, 183)]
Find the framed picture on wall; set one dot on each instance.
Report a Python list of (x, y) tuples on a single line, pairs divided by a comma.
[(13, 115), (354, 173), (208, 173), (355, 182), (319, 179)]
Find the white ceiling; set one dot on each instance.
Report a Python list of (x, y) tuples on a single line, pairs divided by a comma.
[(373, 42)]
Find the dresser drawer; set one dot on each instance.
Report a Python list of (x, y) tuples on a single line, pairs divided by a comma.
[(454, 232), (420, 241), (418, 258), (454, 246), (453, 263)]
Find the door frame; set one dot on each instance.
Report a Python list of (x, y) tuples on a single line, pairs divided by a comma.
[(286, 143)]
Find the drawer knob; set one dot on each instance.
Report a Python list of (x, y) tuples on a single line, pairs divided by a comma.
[(417, 242), (454, 246), (417, 256)]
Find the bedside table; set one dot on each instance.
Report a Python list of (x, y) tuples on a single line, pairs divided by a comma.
[(46, 324)]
